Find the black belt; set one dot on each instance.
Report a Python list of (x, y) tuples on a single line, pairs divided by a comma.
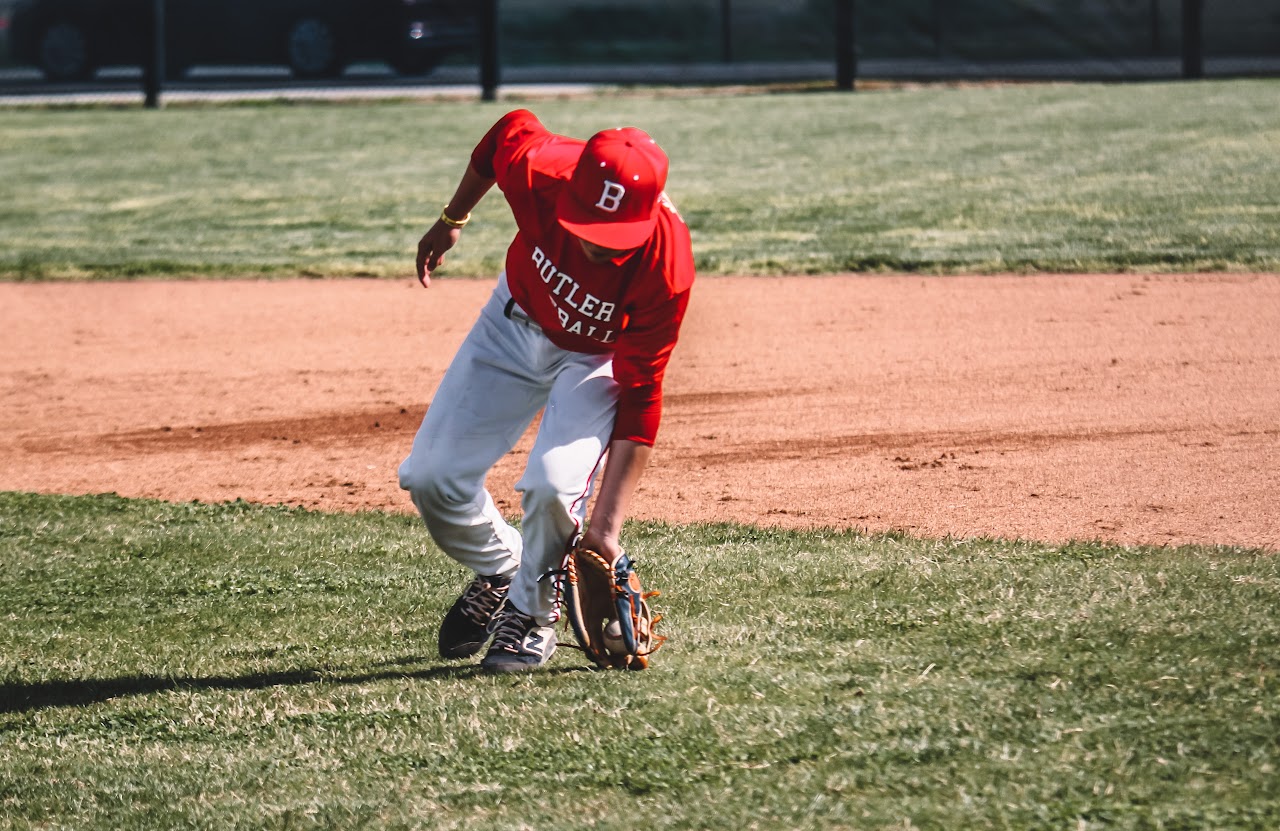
[(514, 312)]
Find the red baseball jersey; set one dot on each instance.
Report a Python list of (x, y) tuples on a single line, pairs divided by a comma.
[(632, 306)]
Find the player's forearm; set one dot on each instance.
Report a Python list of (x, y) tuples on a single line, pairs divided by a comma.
[(470, 191), (622, 473)]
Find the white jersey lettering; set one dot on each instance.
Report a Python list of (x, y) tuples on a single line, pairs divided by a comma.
[(560, 286), (566, 292), (546, 268), (568, 298)]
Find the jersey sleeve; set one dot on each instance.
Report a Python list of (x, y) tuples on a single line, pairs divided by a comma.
[(639, 365), (507, 140), (644, 350)]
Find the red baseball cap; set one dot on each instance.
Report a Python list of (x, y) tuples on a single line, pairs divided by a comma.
[(612, 198)]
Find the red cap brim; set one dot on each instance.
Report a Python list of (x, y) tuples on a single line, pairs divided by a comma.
[(586, 224)]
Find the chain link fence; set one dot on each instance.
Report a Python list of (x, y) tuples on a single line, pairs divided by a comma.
[(752, 41), (559, 32)]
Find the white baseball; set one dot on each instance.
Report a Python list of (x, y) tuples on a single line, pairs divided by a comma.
[(613, 641)]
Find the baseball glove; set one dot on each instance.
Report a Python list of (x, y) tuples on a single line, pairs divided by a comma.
[(609, 611)]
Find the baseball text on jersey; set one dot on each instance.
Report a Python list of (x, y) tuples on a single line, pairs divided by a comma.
[(566, 291)]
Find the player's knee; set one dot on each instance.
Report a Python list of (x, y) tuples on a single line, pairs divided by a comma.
[(430, 485), (541, 488), (537, 497)]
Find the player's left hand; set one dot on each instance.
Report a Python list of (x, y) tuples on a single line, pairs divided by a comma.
[(608, 547)]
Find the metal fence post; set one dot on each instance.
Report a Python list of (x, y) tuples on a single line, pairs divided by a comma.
[(1192, 38), (153, 70), (1155, 27), (846, 44), (935, 18), (489, 50), (726, 32)]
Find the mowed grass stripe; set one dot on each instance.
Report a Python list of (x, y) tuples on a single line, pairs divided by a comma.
[(200, 666), (1054, 177)]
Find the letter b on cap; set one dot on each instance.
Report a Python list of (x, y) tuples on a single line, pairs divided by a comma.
[(611, 196)]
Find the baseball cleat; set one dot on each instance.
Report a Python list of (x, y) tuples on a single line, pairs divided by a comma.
[(467, 626), (519, 643)]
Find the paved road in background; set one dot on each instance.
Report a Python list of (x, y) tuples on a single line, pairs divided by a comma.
[(26, 86)]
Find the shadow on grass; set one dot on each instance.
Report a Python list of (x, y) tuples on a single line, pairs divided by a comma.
[(22, 698)]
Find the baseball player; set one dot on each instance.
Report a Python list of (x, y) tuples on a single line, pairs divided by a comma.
[(580, 327)]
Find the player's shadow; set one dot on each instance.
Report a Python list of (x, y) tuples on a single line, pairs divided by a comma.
[(23, 697)]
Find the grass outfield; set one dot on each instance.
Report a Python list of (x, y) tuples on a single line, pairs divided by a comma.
[(237, 666), (1069, 177)]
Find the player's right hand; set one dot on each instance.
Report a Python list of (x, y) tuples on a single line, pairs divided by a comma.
[(438, 239)]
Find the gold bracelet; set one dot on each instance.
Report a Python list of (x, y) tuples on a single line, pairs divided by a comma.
[(453, 223)]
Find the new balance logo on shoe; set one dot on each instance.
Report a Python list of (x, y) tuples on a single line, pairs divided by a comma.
[(519, 643), (534, 642)]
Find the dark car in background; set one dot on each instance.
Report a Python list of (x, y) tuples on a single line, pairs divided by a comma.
[(72, 39)]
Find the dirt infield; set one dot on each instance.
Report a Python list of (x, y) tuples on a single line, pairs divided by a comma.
[(1136, 409)]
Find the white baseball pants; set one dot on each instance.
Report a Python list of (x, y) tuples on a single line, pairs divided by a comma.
[(504, 373)]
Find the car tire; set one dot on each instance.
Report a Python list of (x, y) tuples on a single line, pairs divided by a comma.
[(64, 53), (312, 48)]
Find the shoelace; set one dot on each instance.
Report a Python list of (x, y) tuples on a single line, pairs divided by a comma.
[(482, 600), (511, 630)]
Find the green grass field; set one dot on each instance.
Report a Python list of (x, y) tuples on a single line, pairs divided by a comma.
[(238, 666), (1146, 177)]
